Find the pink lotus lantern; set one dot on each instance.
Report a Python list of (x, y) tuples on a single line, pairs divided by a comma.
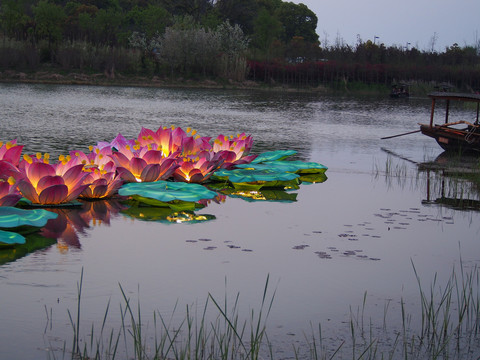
[(43, 184)]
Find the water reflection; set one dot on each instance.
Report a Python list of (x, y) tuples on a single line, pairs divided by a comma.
[(452, 181)]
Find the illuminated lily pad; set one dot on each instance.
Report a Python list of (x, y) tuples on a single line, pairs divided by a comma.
[(274, 195), (11, 217), (273, 155), (175, 195), (165, 214), (299, 167), (10, 238), (32, 242), (313, 178), (257, 179)]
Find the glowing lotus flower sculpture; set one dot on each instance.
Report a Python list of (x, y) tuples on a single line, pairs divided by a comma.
[(102, 179), (47, 184), (174, 140), (197, 170), (234, 150), (137, 163)]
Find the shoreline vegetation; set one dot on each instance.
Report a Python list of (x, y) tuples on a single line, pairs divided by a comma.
[(444, 325), (49, 77), (214, 44)]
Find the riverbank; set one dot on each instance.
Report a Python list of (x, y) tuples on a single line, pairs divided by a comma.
[(118, 79)]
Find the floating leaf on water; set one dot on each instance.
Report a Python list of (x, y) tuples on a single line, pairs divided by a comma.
[(299, 167), (273, 155), (257, 179), (11, 217), (164, 192), (8, 238)]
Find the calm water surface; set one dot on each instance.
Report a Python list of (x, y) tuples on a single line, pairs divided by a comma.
[(354, 235)]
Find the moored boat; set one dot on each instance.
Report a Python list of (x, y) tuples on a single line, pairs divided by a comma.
[(459, 136)]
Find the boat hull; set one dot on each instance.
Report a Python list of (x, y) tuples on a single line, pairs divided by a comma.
[(453, 139)]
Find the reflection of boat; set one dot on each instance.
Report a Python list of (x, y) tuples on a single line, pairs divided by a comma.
[(399, 91), (460, 136), (451, 181)]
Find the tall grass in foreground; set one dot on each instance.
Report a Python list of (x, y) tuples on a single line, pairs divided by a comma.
[(445, 326)]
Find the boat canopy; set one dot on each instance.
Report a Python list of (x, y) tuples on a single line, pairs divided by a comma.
[(442, 95)]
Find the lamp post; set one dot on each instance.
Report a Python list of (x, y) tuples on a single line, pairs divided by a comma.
[(375, 37), (406, 47)]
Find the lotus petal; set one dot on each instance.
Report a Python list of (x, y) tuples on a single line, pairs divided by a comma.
[(10, 200), (53, 195), (48, 181), (99, 191), (75, 193), (28, 191), (126, 175), (74, 176), (153, 156), (150, 173), (12, 155), (37, 170), (7, 169), (136, 166)]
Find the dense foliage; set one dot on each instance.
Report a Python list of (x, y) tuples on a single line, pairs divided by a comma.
[(263, 40)]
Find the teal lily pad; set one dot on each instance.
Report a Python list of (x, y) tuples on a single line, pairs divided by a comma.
[(161, 193), (11, 217), (273, 155), (257, 179), (299, 167), (8, 238)]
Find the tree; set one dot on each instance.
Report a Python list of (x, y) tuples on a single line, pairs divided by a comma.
[(151, 20), (240, 12), (49, 21), (298, 20), (267, 28)]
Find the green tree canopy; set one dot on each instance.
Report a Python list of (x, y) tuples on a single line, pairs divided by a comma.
[(298, 20), (49, 21)]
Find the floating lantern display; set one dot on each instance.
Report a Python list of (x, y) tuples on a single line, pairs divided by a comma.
[(157, 176)]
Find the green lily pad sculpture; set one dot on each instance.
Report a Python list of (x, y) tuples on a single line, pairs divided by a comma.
[(273, 155), (175, 195), (298, 167), (12, 217), (165, 215), (257, 179), (8, 238)]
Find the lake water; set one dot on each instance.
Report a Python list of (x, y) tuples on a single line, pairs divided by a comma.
[(350, 239)]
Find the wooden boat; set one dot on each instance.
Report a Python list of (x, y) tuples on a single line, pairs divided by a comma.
[(459, 136), (400, 91)]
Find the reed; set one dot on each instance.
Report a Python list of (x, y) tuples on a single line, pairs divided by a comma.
[(445, 326)]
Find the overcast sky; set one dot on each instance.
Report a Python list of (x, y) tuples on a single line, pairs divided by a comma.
[(398, 22)]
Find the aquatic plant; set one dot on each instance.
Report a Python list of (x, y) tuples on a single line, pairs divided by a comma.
[(449, 318), (164, 154), (196, 170), (46, 184)]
